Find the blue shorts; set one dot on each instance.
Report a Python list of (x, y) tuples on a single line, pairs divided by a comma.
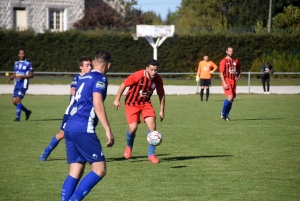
[(19, 93), (83, 147), (64, 121)]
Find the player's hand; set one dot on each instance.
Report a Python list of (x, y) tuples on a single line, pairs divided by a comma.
[(211, 72), (110, 139), (197, 78), (117, 104), (237, 78), (225, 86), (8, 81), (161, 115)]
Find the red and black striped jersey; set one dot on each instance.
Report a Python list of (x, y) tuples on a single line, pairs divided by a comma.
[(230, 68), (141, 88)]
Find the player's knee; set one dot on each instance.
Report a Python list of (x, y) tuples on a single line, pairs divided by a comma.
[(100, 172)]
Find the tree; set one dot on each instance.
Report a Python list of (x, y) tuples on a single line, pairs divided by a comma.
[(288, 19)]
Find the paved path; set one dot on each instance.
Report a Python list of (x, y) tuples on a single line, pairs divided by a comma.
[(45, 89)]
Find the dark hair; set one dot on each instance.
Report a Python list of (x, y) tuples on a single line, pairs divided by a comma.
[(268, 63), (103, 55), (152, 62), (82, 59)]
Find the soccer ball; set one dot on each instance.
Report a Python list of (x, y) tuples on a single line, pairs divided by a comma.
[(154, 138)]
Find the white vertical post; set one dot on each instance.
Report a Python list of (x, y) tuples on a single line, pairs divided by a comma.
[(249, 82), (155, 52), (197, 86)]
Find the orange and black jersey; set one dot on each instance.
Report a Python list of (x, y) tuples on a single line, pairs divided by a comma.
[(141, 88), (230, 68)]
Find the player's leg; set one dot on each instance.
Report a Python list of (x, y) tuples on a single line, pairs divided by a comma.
[(228, 101), (133, 119), (207, 85), (202, 84), (90, 148), (54, 142), (148, 115), (77, 165), (268, 85), (55, 139), (263, 81), (17, 101)]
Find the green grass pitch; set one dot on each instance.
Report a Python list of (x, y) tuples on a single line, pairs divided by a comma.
[(253, 157)]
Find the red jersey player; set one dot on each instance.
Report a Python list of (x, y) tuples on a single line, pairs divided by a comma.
[(230, 72), (137, 103)]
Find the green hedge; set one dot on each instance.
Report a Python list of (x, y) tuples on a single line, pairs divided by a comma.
[(59, 52)]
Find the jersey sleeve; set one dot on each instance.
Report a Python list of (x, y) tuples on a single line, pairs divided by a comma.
[(214, 66), (222, 65), (74, 81), (238, 67), (160, 86), (100, 85), (133, 78), (199, 68), (30, 68)]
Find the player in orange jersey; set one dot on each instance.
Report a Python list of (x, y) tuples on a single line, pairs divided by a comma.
[(230, 72), (137, 103), (204, 73)]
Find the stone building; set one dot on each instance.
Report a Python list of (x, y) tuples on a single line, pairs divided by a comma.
[(54, 15)]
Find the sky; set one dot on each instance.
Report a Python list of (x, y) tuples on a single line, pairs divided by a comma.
[(158, 6)]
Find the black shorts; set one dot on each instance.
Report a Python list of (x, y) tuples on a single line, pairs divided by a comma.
[(205, 82)]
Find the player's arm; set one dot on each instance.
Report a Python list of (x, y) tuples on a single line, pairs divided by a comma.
[(214, 66), (118, 96), (162, 99), (199, 69), (101, 114), (239, 71), (13, 76), (72, 91), (222, 66)]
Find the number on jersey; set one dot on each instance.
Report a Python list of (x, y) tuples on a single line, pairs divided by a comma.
[(78, 92)]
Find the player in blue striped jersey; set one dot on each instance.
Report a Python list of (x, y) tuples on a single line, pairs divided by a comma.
[(82, 143), (22, 72), (84, 64)]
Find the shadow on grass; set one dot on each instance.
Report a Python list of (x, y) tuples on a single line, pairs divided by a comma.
[(47, 120), (55, 159), (182, 158), (133, 158), (256, 119)]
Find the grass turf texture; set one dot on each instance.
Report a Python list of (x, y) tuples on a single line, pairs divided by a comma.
[(253, 157), (167, 81)]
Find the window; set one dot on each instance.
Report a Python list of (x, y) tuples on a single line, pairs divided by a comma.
[(56, 20), (20, 19)]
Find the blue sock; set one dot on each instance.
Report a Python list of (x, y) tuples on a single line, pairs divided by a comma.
[(18, 111), (85, 186), (23, 108), (54, 142), (68, 188), (130, 139), (226, 102), (228, 108), (151, 148)]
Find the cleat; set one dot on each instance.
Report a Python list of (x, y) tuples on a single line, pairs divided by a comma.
[(44, 156), (268, 92), (222, 116), (127, 152), (17, 119), (153, 159), (28, 114), (226, 119), (265, 92)]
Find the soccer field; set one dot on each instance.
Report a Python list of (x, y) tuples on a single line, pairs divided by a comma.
[(253, 157)]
